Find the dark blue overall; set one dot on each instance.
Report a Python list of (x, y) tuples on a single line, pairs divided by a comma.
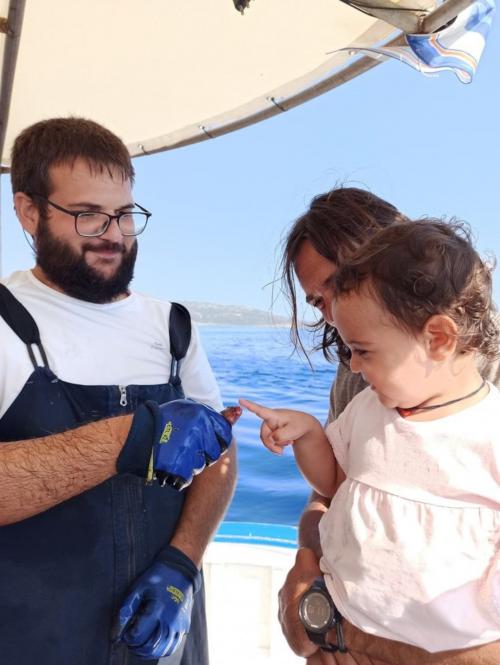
[(64, 572)]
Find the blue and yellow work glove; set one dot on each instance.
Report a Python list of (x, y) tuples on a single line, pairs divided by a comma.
[(182, 438), (156, 614)]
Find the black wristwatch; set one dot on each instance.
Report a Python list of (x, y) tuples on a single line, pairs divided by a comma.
[(318, 614)]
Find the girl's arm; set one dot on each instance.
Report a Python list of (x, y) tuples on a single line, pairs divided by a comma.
[(314, 455), (315, 459)]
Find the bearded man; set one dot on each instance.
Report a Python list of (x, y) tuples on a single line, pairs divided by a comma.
[(97, 566)]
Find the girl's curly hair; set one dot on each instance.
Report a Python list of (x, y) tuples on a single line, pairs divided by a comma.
[(423, 268)]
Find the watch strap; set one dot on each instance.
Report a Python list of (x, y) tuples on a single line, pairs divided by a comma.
[(320, 640)]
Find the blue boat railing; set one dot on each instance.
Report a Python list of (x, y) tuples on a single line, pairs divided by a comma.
[(258, 533)]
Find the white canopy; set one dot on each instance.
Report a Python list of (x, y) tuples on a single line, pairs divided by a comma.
[(163, 73)]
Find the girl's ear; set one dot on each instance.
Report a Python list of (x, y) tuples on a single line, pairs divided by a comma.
[(440, 333), (27, 213)]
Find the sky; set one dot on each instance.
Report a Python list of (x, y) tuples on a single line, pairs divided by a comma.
[(222, 207)]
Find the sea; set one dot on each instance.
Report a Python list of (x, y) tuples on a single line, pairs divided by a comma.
[(258, 363)]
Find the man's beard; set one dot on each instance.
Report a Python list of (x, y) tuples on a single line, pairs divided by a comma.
[(70, 272)]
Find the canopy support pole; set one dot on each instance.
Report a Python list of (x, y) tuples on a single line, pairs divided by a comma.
[(11, 27), (13, 35)]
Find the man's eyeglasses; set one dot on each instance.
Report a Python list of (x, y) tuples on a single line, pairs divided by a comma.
[(90, 224)]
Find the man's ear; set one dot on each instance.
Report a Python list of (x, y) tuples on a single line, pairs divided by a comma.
[(441, 332), (27, 213)]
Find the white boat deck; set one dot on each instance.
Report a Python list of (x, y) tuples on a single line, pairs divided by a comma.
[(244, 569)]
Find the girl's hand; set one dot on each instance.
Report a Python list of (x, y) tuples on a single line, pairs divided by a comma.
[(280, 427)]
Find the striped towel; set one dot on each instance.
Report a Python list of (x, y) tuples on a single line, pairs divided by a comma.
[(457, 47)]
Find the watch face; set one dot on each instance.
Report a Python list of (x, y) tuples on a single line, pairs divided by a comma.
[(315, 611)]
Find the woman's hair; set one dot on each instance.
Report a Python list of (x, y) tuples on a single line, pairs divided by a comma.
[(335, 224), (424, 268)]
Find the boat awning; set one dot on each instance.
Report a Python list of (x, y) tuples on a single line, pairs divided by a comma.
[(164, 74)]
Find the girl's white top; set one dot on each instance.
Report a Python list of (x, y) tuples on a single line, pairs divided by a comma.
[(411, 541)]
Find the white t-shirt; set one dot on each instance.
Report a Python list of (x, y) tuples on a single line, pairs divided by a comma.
[(411, 541), (121, 343)]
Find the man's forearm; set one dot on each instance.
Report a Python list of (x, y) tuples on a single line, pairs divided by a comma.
[(40, 473), (314, 511), (300, 578), (309, 521), (206, 502)]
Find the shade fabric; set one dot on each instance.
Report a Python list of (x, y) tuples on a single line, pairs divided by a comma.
[(162, 74)]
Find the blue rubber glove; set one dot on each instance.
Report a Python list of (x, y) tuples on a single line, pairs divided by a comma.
[(193, 436), (183, 438), (156, 614)]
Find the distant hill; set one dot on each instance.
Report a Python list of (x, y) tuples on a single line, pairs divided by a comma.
[(210, 313)]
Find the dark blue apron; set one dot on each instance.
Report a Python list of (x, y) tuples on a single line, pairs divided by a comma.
[(64, 572)]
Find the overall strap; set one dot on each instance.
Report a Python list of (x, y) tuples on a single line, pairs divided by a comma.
[(179, 327), (22, 323)]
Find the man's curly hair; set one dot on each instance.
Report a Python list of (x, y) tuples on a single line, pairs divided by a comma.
[(336, 224)]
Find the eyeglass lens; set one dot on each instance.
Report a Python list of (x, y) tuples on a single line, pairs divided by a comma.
[(96, 223)]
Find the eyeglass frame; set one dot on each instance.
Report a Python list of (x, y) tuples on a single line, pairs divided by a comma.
[(76, 213)]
